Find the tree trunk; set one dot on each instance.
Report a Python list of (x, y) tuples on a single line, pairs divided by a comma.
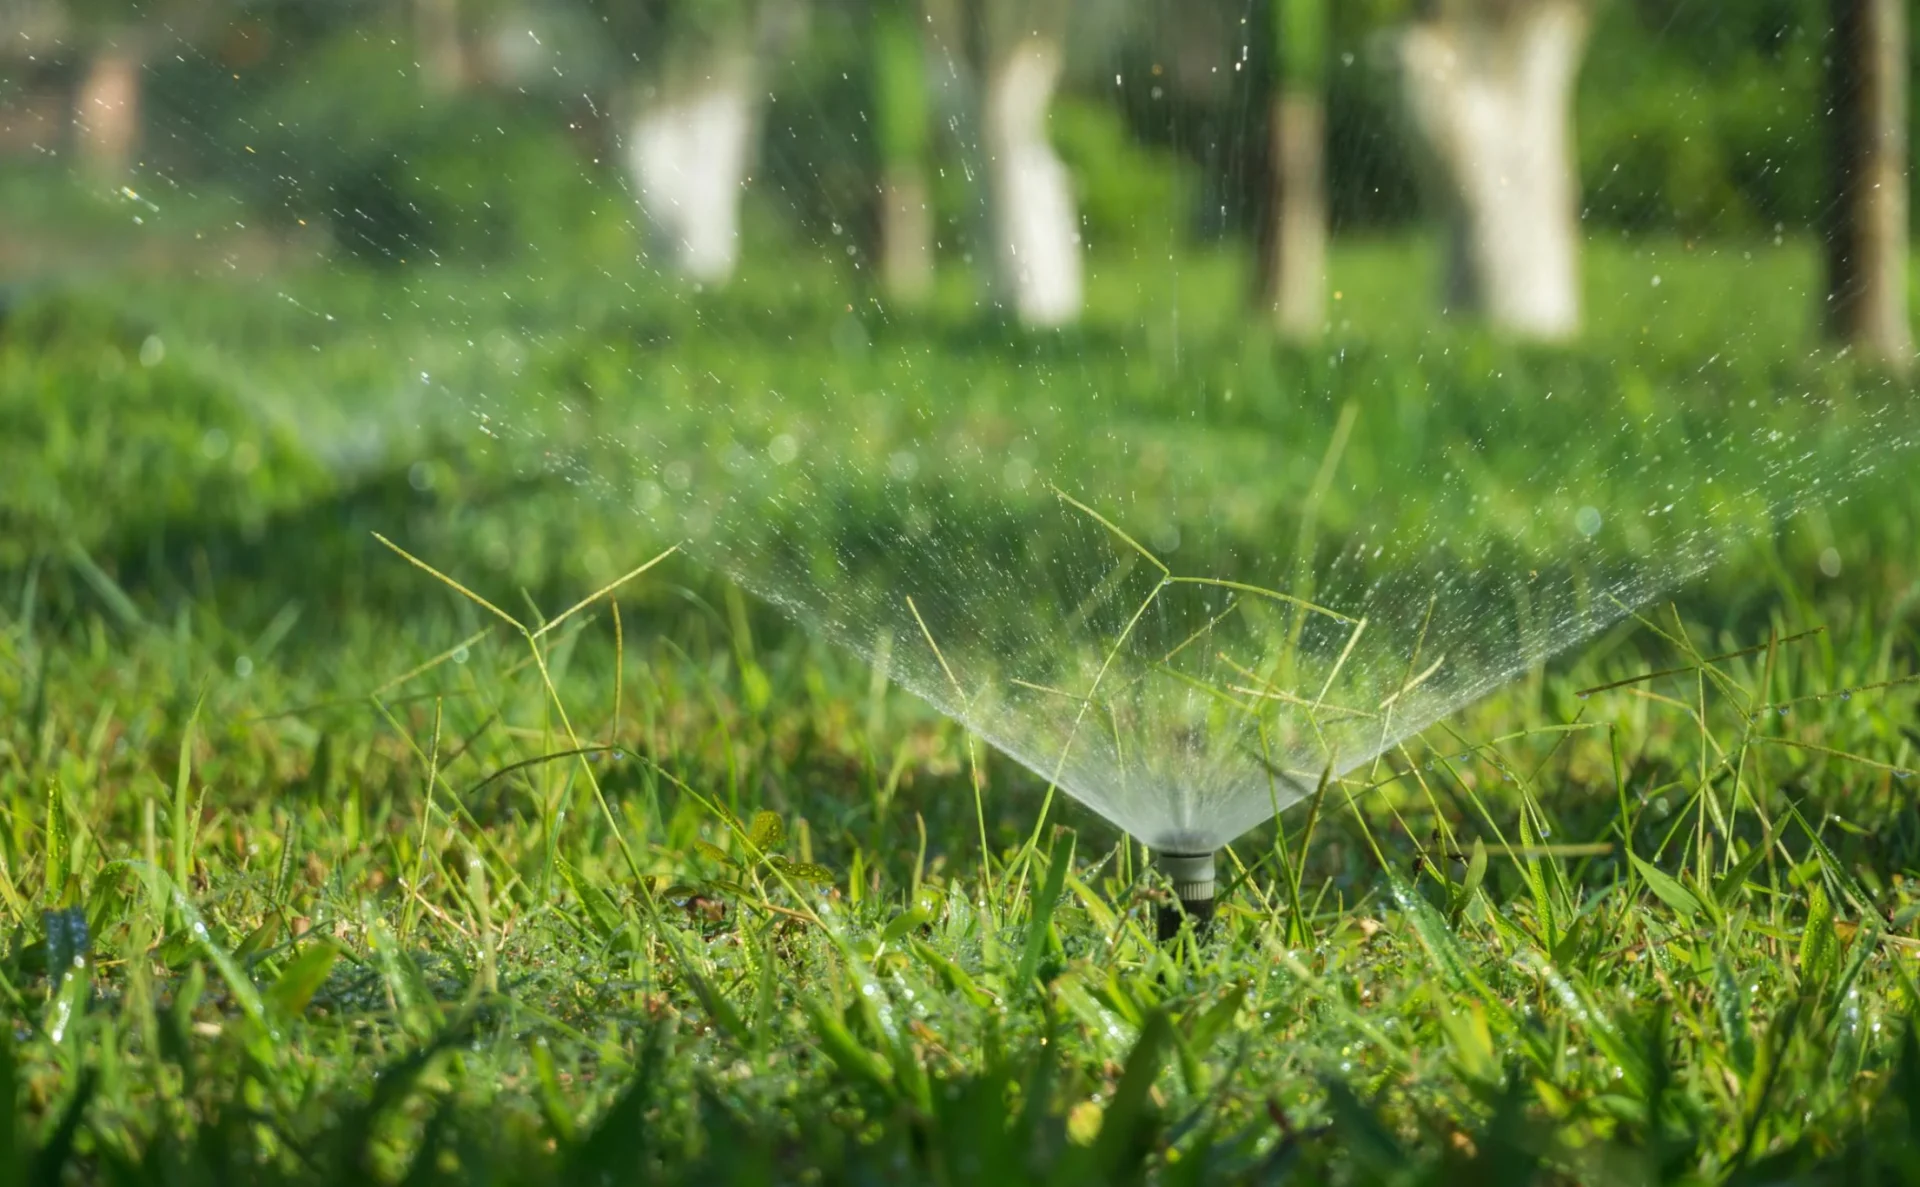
[(443, 51), (1866, 232), (1297, 272), (106, 113), (1489, 85), (1030, 194), (906, 235), (1293, 272), (901, 135), (688, 150)]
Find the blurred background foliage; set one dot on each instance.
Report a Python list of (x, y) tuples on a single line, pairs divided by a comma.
[(1691, 118)]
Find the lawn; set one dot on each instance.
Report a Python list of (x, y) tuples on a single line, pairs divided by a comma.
[(477, 856)]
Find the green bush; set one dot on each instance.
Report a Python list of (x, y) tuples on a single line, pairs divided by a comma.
[(354, 140), (104, 438), (1130, 194), (1703, 126)]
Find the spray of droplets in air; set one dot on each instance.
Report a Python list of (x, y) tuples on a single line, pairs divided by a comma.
[(1179, 570)]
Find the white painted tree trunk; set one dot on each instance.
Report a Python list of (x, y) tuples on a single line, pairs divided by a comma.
[(1490, 90), (1296, 270), (906, 235), (1035, 226), (106, 113), (440, 44), (1866, 218), (689, 149)]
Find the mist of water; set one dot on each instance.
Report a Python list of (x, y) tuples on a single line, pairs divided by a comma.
[(1174, 568)]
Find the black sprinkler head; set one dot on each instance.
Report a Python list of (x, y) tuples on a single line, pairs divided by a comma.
[(1192, 875)]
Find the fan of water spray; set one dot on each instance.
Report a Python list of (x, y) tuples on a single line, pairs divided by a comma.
[(1188, 691), (1180, 568)]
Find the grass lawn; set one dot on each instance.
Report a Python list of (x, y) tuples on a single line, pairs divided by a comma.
[(318, 866)]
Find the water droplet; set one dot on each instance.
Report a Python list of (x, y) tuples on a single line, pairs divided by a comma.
[(1846, 696)]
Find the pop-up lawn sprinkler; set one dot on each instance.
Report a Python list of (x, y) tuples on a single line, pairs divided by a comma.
[(1192, 876)]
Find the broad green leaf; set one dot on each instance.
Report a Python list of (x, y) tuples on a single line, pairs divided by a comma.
[(1735, 879), (161, 889), (904, 922), (1819, 948), (1126, 1132), (302, 978), (553, 1103), (767, 832), (1105, 1025), (1567, 951), (1537, 884), (1120, 994), (598, 904), (59, 844), (806, 871), (718, 1008), (1435, 936), (1730, 1000), (713, 853), (258, 939), (1363, 1136), (1043, 905), (846, 1052), (956, 978), (1193, 1069), (1865, 944), (1210, 1025), (1471, 1044), (1666, 887), (1101, 914), (1476, 868)]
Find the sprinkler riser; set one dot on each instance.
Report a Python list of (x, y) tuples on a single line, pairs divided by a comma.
[(1192, 878)]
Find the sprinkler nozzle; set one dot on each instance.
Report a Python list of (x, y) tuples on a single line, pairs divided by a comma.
[(1192, 876)]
